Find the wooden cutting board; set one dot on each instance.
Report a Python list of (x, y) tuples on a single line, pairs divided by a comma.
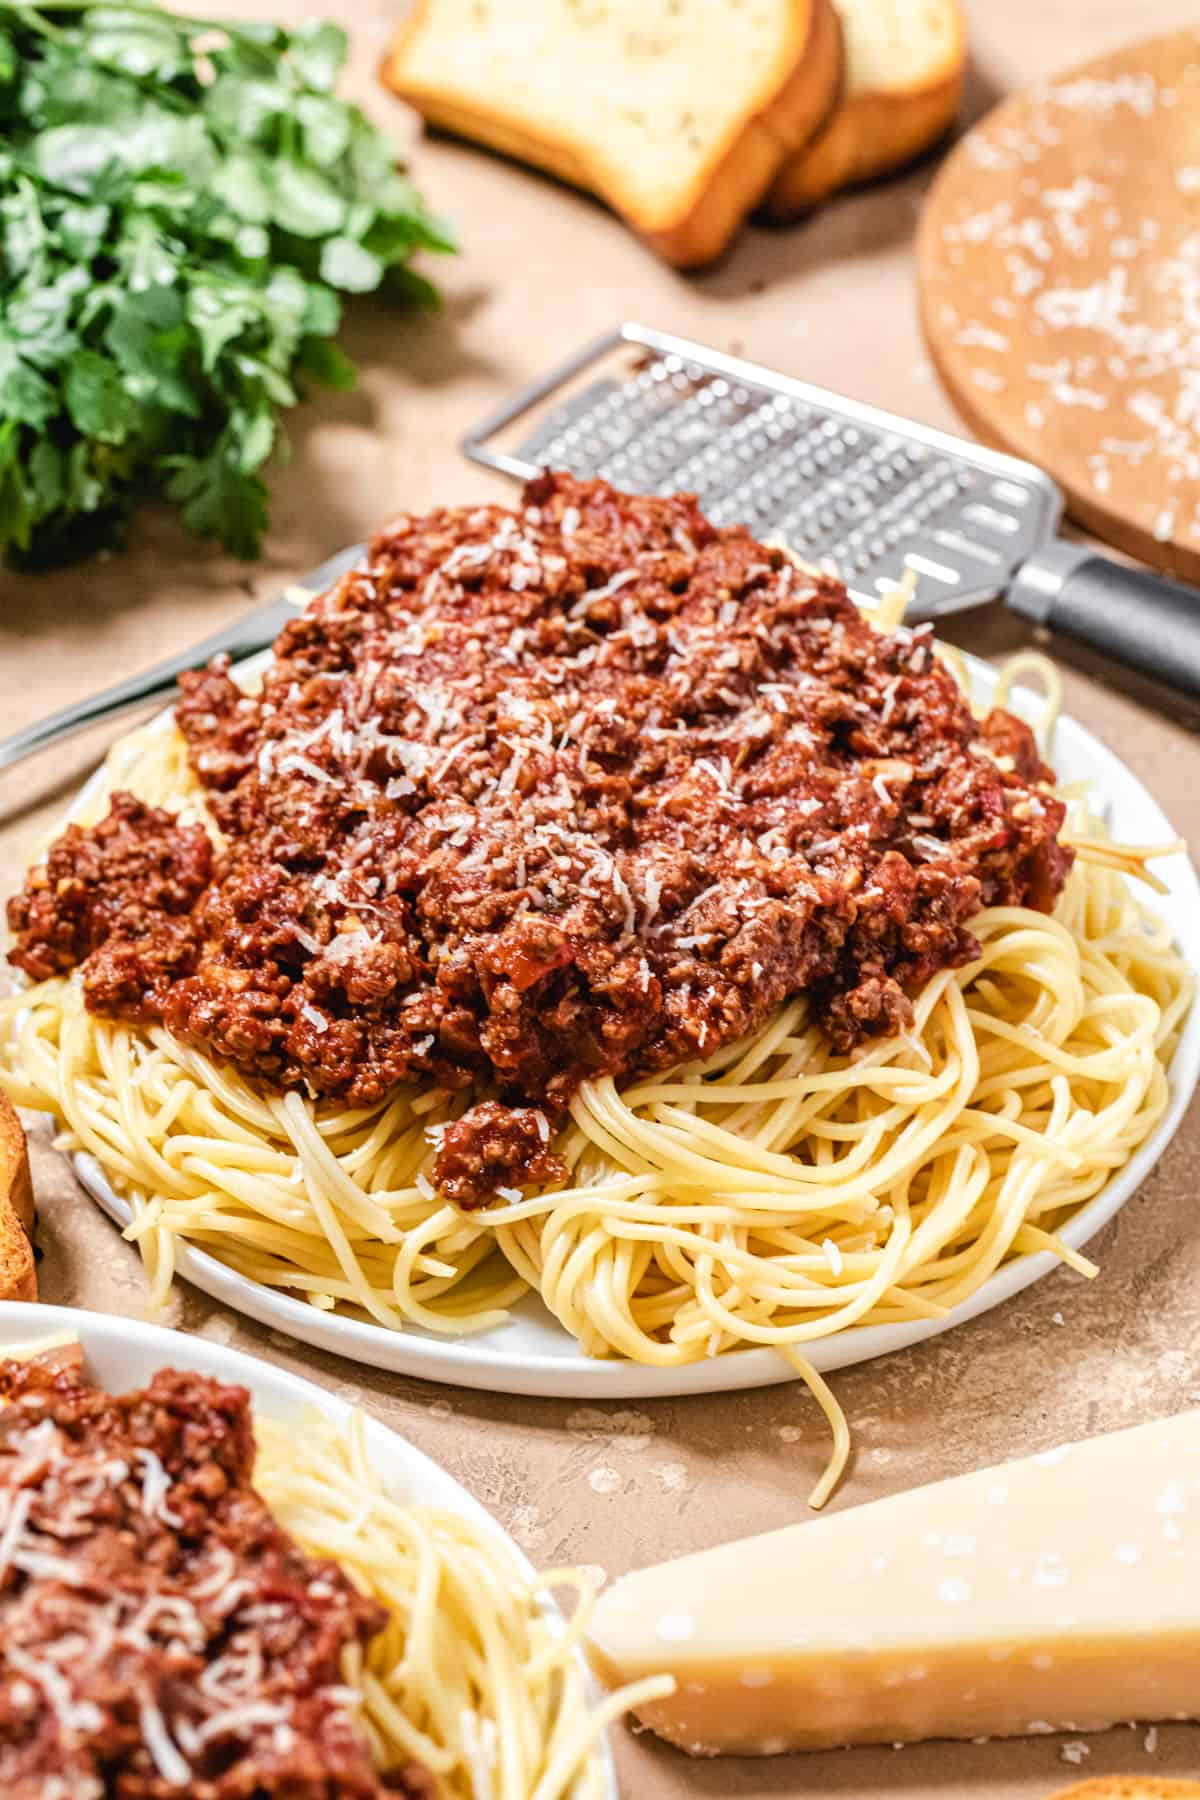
[(1059, 270)]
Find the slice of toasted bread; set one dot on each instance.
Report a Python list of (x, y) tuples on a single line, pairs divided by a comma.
[(1131, 1787), (18, 1278), (678, 113), (904, 74)]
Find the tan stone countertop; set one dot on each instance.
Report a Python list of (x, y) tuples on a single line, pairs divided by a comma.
[(830, 300)]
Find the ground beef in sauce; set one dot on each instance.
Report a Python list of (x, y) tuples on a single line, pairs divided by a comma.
[(161, 1637), (136, 873), (588, 786)]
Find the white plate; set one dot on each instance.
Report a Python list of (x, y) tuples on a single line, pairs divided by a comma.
[(124, 1353), (534, 1354)]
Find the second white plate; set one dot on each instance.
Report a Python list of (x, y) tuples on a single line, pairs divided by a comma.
[(124, 1353)]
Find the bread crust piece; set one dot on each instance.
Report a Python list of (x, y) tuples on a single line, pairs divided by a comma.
[(870, 134), (809, 99), (694, 230), (18, 1276)]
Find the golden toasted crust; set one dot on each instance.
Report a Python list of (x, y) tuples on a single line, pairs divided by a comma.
[(691, 229), (18, 1278), (799, 112), (871, 133), (1131, 1787)]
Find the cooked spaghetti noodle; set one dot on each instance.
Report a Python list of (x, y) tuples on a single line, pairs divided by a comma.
[(773, 1194), (472, 1679)]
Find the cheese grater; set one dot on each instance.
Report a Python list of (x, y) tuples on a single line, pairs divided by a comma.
[(851, 488)]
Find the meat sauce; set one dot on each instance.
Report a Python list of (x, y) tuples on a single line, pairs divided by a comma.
[(589, 786), (161, 1637)]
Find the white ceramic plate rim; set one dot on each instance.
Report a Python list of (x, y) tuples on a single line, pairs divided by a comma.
[(541, 1361), (123, 1353)]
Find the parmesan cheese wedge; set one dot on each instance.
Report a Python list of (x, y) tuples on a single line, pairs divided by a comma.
[(1061, 1593)]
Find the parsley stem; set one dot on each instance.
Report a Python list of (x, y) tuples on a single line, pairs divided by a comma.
[(80, 6), (36, 16), (29, 15)]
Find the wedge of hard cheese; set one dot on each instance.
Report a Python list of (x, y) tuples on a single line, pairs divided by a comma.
[(1058, 1593)]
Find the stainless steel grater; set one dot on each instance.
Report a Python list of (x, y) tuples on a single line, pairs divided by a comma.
[(851, 488)]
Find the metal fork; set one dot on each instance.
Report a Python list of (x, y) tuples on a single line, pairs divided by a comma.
[(253, 632)]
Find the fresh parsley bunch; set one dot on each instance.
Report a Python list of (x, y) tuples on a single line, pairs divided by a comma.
[(182, 202)]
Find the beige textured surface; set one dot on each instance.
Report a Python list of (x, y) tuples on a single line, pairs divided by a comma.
[(830, 300)]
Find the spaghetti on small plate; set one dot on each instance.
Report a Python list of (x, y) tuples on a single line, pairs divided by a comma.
[(260, 1592), (587, 902)]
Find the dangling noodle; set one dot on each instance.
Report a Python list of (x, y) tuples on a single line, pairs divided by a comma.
[(772, 1195), (1026, 662)]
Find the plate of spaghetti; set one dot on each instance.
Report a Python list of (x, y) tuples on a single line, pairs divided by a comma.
[(196, 1594), (589, 956)]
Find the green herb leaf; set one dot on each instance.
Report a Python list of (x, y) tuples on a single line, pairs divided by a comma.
[(305, 202), (346, 264), (324, 128), (97, 399), (322, 311), (48, 476), (75, 157), (24, 234), (244, 109), (219, 500), (239, 181), (82, 229), (17, 513), (218, 315), (25, 396), (40, 318), (135, 41), (326, 363), (149, 336), (317, 54)]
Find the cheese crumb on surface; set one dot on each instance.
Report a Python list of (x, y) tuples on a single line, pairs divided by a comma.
[(954, 1592)]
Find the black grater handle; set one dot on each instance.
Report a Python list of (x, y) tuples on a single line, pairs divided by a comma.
[(1140, 619)]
